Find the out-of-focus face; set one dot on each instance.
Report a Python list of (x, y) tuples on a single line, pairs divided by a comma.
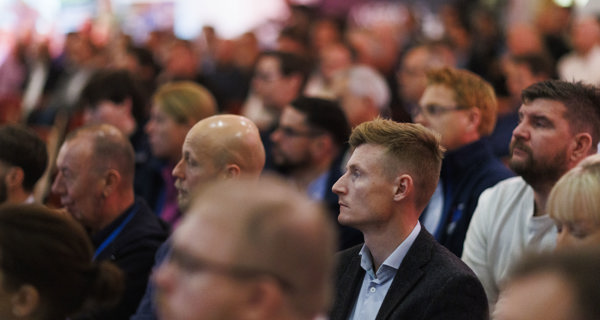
[(4, 167), (166, 136), (78, 183), (577, 232), (540, 142), (541, 296), (195, 168), (194, 283), (269, 83), (365, 190), (411, 77), (518, 77), (292, 140), (108, 112), (438, 111)]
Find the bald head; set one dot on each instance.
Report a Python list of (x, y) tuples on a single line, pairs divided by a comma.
[(265, 230), (218, 147)]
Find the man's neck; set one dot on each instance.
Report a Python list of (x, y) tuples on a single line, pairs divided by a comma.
[(383, 240)]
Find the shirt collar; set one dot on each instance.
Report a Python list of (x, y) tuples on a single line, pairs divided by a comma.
[(393, 260)]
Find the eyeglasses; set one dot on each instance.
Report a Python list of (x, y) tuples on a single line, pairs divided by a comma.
[(292, 133), (434, 110), (195, 264)]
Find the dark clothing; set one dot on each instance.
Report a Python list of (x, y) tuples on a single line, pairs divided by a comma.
[(466, 172), (500, 137), (431, 283), (133, 251), (147, 310)]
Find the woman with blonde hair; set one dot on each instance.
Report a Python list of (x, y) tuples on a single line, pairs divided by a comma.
[(574, 204), (176, 107)]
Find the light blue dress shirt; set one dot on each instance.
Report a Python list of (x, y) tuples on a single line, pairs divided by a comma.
[(376, 285)]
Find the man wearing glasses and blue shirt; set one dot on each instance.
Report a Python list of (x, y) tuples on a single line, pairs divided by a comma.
[(460, 106), (308, 148)]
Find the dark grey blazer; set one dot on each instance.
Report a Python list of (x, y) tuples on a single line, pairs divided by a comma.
[(431, 283)]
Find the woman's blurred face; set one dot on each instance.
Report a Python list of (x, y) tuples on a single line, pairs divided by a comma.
[(577, 232), (165, 135)]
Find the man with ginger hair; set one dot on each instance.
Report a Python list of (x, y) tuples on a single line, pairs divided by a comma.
[(221, 147), (461, 106), (400, 272), (275, 258)]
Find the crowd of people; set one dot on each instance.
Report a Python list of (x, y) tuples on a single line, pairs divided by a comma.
[(348, 171)]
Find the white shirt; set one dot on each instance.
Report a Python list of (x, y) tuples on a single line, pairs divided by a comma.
[(376, 285), (576, 67), (502, 229)]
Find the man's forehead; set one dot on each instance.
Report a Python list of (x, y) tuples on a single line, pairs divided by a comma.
[(547, 107)]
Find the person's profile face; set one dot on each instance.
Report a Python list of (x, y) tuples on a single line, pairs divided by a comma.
[(78, 183), (165, 135), (195, 282), (439, 111), (292, 140), (365, 190), (540, 142), (195, 168), (577, 232), (268, 82)]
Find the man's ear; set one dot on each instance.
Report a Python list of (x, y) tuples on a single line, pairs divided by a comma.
[(474, 118), (14, 177), (25, 301), (582, 143), (232, 170), (403, 185), (263, 300), (112, 179)]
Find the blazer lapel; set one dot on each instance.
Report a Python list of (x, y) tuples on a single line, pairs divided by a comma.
[(348, 285), (408, 274)]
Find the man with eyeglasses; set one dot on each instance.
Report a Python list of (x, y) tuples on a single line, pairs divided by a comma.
[(249, 250), (308, 147), (461, 106)]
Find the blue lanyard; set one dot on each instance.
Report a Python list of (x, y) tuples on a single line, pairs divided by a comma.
[(115, 232)]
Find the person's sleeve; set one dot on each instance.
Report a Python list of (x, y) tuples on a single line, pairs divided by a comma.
[(475, 250)]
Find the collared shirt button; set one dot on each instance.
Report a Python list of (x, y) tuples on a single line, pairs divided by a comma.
[(372, 290)]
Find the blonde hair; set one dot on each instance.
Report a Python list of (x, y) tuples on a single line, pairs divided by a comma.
[(470, 91), (412, 146), (577, 192), (185, 101)]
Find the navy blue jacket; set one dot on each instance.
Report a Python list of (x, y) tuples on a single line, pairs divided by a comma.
[(132, 250), (466, 172)]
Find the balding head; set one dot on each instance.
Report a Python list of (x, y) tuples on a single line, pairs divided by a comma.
[(270, 236), (222, 146)]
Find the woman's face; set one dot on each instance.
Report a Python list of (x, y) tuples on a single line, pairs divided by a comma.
[(165, 135), (577, 232)]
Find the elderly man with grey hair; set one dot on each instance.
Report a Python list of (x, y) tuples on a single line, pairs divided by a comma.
[(363, 93)]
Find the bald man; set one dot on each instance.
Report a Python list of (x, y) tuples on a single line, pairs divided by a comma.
[(275, 258), (220, 147)]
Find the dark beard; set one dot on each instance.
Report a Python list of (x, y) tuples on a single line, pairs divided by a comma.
[(535, 172)]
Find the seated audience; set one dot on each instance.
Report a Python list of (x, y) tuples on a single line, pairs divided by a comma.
[(363, 94), (461, 106), (46, 267), (176, 107), (401, 271), (221, 147), (23, 160), (559, 126), (275, 258), (95, 184), (308, 147), (560, 285), (574, 205)]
